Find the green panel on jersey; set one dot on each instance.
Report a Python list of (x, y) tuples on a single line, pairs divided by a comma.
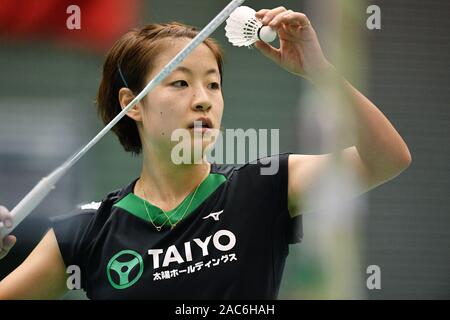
[(143, 209)]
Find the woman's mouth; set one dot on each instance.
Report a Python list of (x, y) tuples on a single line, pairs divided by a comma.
[(201, 125)]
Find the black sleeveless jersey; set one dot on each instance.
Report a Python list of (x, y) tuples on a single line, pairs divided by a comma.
[(231, 245)]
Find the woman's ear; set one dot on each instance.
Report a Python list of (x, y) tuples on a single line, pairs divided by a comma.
[(125, 97)]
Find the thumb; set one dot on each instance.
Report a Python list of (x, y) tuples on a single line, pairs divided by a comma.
[(267, 50)]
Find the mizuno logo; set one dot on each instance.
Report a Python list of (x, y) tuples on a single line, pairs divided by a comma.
[(90, 206), (214, 215)]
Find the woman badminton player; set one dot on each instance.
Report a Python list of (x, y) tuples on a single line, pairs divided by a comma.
[(200, 230)]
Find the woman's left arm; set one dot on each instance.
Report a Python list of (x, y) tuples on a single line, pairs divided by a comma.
[(379, 153)]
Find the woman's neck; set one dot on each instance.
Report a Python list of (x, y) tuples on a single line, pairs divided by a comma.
[(166, 184)]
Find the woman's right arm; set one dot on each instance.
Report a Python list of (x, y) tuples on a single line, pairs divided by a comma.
[(41, 276)]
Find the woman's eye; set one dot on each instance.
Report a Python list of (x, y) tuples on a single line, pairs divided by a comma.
[(214, 85), (180, 83)]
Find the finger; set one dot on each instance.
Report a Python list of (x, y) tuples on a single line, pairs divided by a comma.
[(5, 217), (279, 18), (9, 242), (260, 14), (291, 18), (268, 51), (270, 14), (3, 211)]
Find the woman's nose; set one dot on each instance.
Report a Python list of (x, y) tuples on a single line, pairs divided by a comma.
[(201, 101)]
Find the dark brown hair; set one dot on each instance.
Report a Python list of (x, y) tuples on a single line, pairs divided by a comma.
[(134, 54)]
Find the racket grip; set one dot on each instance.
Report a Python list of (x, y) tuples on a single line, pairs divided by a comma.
[(32, 200)]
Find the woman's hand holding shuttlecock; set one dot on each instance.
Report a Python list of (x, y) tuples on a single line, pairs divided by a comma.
[(300, 52)]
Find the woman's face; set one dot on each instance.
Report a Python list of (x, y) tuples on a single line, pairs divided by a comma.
[(191, 92)]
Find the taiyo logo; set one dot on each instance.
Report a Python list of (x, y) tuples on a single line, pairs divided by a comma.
[(124, 269)]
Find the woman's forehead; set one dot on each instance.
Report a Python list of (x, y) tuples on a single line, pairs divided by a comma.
[(201, 58)]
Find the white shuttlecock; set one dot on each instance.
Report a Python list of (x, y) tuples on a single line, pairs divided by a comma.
[(243, 29)]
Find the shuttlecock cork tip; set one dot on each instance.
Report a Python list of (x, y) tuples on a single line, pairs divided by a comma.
[(267, 34)]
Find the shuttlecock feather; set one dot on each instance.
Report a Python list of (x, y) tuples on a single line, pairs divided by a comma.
[(243, 29)]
